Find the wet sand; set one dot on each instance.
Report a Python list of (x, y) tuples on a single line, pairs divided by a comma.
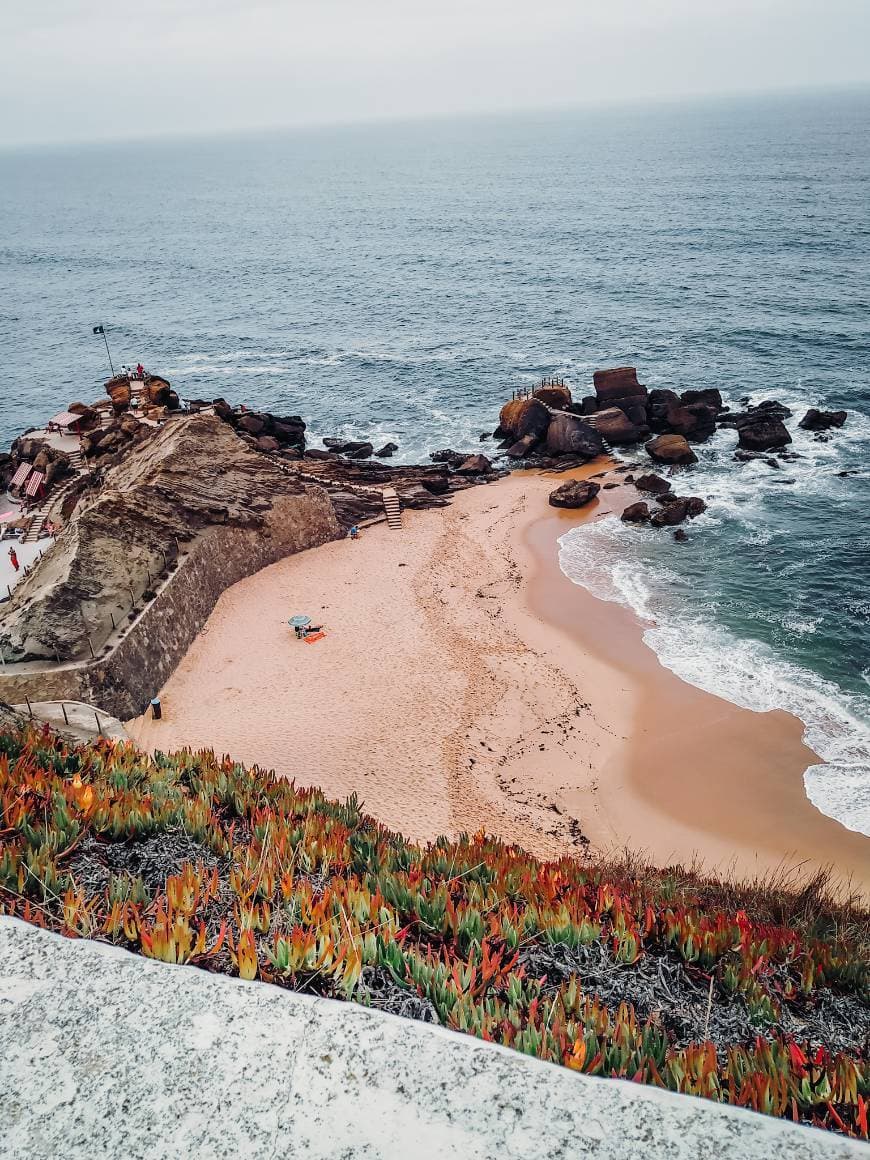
[(466, 683)]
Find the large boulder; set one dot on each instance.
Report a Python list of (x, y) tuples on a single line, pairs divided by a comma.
[(118, 390), (763, 434), (156, 391), (696, 421), (652, 483), (569, 435), (615, 426), (670, 449), (521, 417), (556, 396), (636, 513), (452, 458), (387, 450), (816, 420), (618, 387), (575, 493)]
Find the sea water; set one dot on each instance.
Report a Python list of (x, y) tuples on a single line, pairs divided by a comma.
[(397, 281)]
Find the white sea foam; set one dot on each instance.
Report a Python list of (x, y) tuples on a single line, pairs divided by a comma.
[(747, 673)]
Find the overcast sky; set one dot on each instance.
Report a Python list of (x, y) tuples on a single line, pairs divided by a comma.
[(75, 70)]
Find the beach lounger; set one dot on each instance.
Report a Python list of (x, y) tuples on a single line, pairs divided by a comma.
[(311, 637)]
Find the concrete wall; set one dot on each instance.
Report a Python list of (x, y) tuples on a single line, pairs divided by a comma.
[(105, 1055), (123, 682)]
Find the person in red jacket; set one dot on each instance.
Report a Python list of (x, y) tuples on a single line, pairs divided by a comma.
[(13, 557)]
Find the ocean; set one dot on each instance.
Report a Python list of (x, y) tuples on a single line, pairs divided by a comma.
[(397, 281)]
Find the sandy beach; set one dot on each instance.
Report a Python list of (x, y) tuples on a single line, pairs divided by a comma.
[(465, 682)]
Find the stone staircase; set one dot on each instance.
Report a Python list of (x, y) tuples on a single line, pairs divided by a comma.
[(393, 508)]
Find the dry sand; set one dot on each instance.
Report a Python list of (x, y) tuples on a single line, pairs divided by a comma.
[(465, 682)]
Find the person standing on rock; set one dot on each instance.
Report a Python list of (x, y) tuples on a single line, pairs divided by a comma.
[(13, 559)]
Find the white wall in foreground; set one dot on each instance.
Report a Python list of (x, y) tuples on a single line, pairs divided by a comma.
[(108, 1055)]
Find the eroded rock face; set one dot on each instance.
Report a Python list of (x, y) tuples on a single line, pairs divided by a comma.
[(118, 390), (522, 417), (387, 450), (575, 493), (816, 420), (670, 449), (569, 435), (188, 477)]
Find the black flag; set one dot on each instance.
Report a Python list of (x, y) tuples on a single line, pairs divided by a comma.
[(99, 330)]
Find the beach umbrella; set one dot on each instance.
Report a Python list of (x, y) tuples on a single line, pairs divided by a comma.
[(299, 621)]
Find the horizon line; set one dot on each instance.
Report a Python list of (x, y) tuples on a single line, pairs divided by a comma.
[(590, 105)]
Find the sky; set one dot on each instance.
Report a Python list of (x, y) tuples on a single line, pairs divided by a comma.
[(78, 70)]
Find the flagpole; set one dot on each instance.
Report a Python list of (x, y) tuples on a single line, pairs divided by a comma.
[(102, 330)]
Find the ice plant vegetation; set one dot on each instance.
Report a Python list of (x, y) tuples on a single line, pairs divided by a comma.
[(747, 997)]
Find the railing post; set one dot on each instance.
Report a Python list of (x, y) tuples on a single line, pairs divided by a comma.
[(63, 710), (29, 706), (91, 647), (99, 727)]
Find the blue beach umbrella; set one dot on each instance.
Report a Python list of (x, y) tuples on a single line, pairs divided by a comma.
[(299, 621)]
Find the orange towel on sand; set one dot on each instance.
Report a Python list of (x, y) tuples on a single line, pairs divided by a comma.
[(313, 636)]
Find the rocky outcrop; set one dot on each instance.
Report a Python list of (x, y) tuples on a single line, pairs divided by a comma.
[(288, 430), (671, 449), (569, 435), (185, 479), (816, 420), (618, 387), (574, 494), (387, 451)]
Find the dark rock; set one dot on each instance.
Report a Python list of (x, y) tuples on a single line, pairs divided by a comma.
[(253, 424), (609, 486), (708, 397), (681, 536), (451, 458), (670, 449), (316, 453), (694, 506), (483, 436), (589, 405), (652, 483), (387, 450), (615, 426), (569, 435), (522, 447), (671, 514), (574, 494), (268, 443), (357, 449), (474, 465), (763, 434), (816, 420), (636, 513)]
